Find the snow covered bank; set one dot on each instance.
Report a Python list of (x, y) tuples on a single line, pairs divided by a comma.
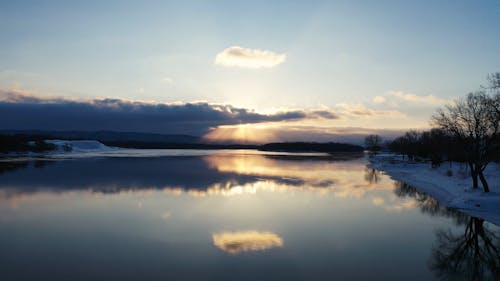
[(79, 146), (450, 185)]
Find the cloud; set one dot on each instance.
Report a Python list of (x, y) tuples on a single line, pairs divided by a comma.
[(215, 122), (413, 98), (22, 111), (325, 114), (379, 99), (244, 241), (357, 110), (237, 56), (394, 97), (15, 95), (168, 80), (295, 132)]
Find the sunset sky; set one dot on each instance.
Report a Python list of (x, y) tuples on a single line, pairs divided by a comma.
[(242, 70)]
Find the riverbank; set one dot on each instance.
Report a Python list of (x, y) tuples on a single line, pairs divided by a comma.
[(451, 184)]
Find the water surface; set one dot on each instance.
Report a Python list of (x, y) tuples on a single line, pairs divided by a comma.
[(228, 215)]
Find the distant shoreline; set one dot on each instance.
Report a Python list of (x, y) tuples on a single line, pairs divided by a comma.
[(22, 143), (277, 147)]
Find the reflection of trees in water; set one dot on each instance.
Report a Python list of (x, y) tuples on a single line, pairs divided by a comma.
[(429, 205), (9, 166), (41, 163), (214, 174), (372, 175), (335, 156), (473, 255)]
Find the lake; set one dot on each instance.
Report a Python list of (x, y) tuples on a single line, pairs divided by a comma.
[(229, 215)]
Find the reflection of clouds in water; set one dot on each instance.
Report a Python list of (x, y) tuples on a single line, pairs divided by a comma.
[(410, 204), (344, 179), (394, 204), (166, 215), (253, 188), (244, 241), (12, 198), (313, 173), (212, 175), (338, 191), (378, 201), (219, 189), (349, 192)]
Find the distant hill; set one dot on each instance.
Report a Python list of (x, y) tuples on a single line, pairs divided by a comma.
[(177, 145), (107, 136)]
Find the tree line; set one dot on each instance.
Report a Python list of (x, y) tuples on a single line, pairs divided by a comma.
[(24, 143), (466, 130)]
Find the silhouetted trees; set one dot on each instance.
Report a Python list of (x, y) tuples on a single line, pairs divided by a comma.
[(24, 143), (373, 142), (467, 130), (494, 80), (474, 121), (435, 144), (438, 145)]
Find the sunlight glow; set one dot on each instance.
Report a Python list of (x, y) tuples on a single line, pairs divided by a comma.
[(243, 133)]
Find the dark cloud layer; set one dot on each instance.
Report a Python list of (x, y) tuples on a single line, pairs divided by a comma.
[(25, 112)]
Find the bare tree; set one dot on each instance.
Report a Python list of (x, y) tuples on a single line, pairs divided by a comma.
[(473, 121), (494, 88), (494, 80), (373, 142)]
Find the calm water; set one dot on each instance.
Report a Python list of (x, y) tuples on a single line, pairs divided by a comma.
[(229, 215)]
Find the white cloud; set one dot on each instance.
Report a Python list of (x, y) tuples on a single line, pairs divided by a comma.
[(168, 80), (379, 99), (416, 99), (248, 58), (356, 110)]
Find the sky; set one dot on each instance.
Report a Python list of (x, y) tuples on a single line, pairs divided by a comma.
[(248, 70)]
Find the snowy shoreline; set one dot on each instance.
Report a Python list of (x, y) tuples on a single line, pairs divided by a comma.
[(453, 190)]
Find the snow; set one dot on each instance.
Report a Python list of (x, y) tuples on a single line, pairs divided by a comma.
[(453, 190), (79, 146)]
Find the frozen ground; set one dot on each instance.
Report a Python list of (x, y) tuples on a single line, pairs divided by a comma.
[(453, 190)]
